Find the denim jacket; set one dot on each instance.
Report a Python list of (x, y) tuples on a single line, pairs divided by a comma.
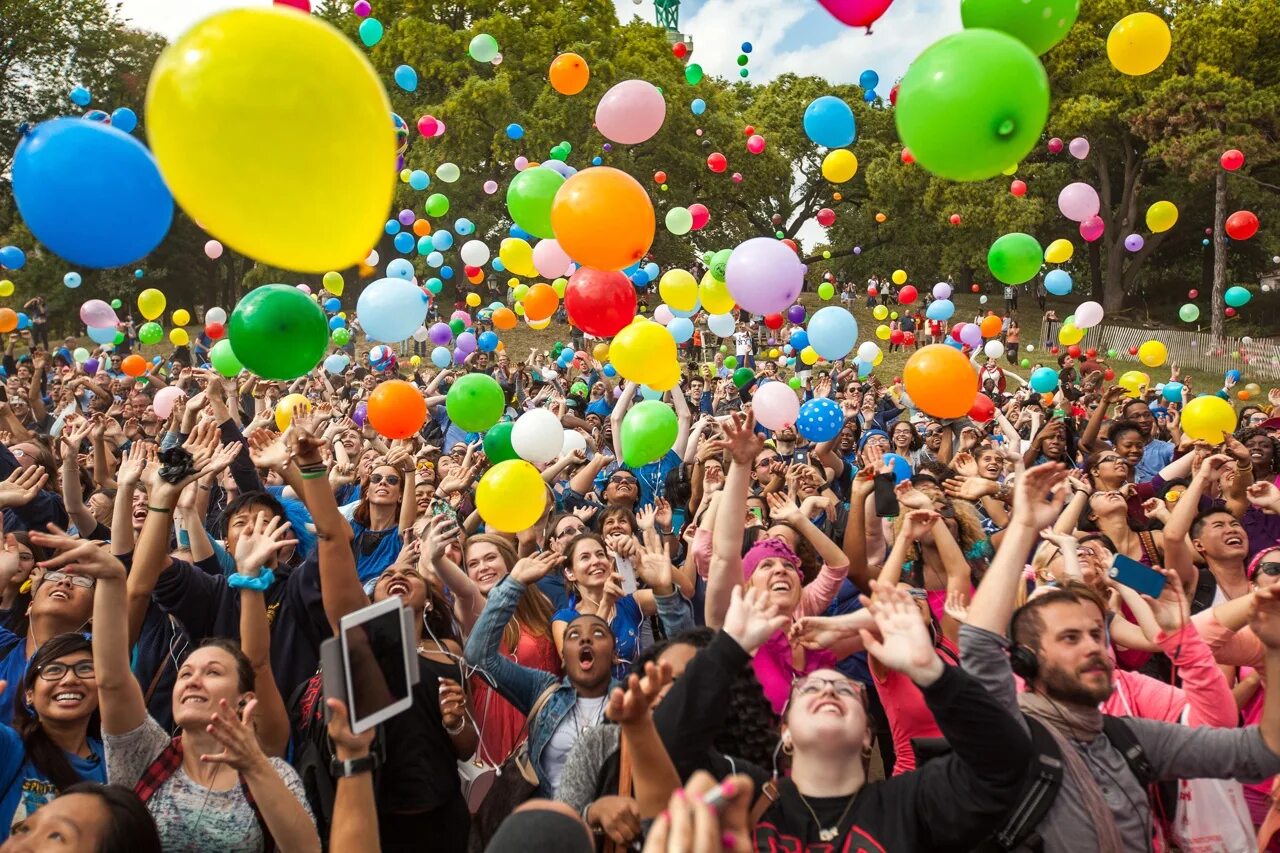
[(520, 685)]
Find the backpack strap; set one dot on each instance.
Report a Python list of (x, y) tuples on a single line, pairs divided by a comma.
[(159, 770), (1149, 546), (1045, 780), (768, 796), (1123, 739)]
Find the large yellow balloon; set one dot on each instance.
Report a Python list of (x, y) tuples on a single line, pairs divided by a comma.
[(285, 408), (1153, 353), (179, 337), (151, 303), (1162, 216), (1207, 418), (274, 133), (1136, 382), (839, 165), (517, 256), (645, 352), (1139, 43), (679, 289), (1069, 334), (511, 496), (1059, 251), (715, 295)]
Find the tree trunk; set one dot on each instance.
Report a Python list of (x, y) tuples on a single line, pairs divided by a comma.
[(1095, 272), (1216, 305)]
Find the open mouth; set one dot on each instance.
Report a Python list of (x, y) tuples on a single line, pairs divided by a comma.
[(195, 699), (781, 585), (586, 658), (831, 707), (68, 697), (60, 595), (1234, 540), (399, 586)]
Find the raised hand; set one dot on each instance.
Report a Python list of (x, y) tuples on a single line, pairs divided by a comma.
[(347, 744), (1264, 616), (1031, 488), (633, 704), (751, 620), (654, 563), (969, 488), (269, 450), (531, 569), (782, 508), (22, 486), (240, 749), (741, 439), (957, 606), (904, 644), (78, 556), (260, 545), (909, 496), (691, 825), (441, 530), (820, 632), (1172, 609), (1265, 496), (646, 518), (918, 522)]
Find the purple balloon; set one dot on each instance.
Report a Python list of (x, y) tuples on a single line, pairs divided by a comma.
[(971, 334), (857, 250), (796, 313), (467, 343), (560, 167), (406, 217), (91, 367), (361, 413), (439, 334), (1134, 242), (459, 356), (942, 290), (764, 275)]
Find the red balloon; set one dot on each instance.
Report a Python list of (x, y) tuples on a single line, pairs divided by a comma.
[(791, 244), (1055, 350), (1242, 225), (955, 331), (907, 156), (955, 219), (908, 338), (701, 216), (1232, 159), (896, 336), (1192, 294), (893, 95), (826, 216), (717, 162), (659, 177), (300, 5), (1230, 312), (907, 295), (873, 291), (749, 130), (680, 49), (773, 321), (1108, 374), (470, 271), (217, 331), (1091, 352), (1133, 350), (600, 302), (1074, 350), (856, 13), (975, 288), (983, 409), (1018, 188)]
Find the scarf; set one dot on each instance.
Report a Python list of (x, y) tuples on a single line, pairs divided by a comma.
[(1082, 724)]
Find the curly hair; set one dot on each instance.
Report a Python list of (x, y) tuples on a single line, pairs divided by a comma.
[(1243, 436)]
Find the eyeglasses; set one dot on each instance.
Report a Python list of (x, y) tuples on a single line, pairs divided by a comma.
[(930, 433), (571, 531), (389, 479), (1115, 460), (76, 580), (842, 687), (621, 478), (57, 671), (1271, 569), (18, 452)]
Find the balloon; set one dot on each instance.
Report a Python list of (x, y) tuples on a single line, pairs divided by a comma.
[(569, 74), (95, 312), (151, 303), (679, 221), (390, 309), (1231, 159), (599, 302), (1044, 380), (164, 401), (649, 432), (1237, 296), (1088, 315), (679, 289), (511, 496), (1018, 188), (1059, 251), (406, 78), (1135, 382), (839, 165), (775, 405), (971, 104), (828, 121), (97, 334), (278, 332), (717, 162), (1172, 391), (504, 319), (1015, 258), (370, 31), (1162, 216), (603, 218), (645, 352), (820, 419), (224, 360), (114, 212), (11, 257), (517, 256), (1079, 148), (989, 327), (483, 48), (272, 131), (1242, 225), (1153, 353), (1039, 25), (541, 302), (396, 409), (6, 286), (132, 365), (1208, 418), (940, 381), (832, 332), (497, 443), (213, 250), (1091, 229), (1078, 201), (856, 13), (150, 333), (181, 317), (631, 112), (982, 410), (721, 325), (1134, 242), (529, 198), (763, 275), (941, 309), (475, 402), (701, 216), (285, 409), (335, 364), (1138, 44), (993, 349), (538, 436)]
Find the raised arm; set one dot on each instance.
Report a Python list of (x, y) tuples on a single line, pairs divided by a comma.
[(1177, 552), (619, 410), (1089, 438), (684, 420), (468, 600), (72, 496), (135, 461), (725, 573), (653, 776)]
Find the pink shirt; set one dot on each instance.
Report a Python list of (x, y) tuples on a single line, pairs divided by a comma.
[(909, 717), (1204, 694)]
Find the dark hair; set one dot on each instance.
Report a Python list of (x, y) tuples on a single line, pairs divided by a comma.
[(1203, 516), (47, 756), (916, 440), (246, 499), (1247, 433), (1135, 401), (1119, 428), (1027, 624), (553, 523), (244, 669), (130, 827), (678, 486), (616, 509), (573, 545)]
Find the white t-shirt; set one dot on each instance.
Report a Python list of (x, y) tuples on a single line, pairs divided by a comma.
[(742, 342), (587, 713)]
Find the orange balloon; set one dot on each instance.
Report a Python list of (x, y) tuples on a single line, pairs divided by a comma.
[(421, 227), (541, 302), (133, 365), (990, 327), (504, 318), (603, 218), (365, 270), (396, 409), (8, 320), (941, 381), (569, 74), (477, 278)]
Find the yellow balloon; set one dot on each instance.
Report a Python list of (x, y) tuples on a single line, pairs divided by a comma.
[(875, 362), (883, 332), (415, 360), (1162, 216), (519, 309), (1059, 251), (839, 165), (774, 353), (179, 337), (600, 352), (181, 317), (645, 352), (6, 287), (333, 282), (899, 276), (274, 133), (513, 283), (1139, 43), (1136, 382), (679, 289), (285, 409), (1069, 334), (809, 355), (1207, 418), (880, 312), (517, 256), (151, 303), (511, 496), (1012, 170), (537, 325), (715, 295), (1153, 353), (559, 286), (473, 299)]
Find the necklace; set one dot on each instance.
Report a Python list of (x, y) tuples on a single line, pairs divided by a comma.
[(829, 833), (599, 716)]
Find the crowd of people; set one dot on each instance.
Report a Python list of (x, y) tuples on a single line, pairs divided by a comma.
[(920, 634)]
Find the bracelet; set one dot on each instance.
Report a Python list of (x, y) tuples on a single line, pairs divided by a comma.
[(668, 532), (353, 766), (462, 724), (259, 584), (165, 510), (311, 467), (313, 475)]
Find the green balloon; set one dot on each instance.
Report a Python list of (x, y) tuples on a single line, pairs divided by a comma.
[(278, 332), (224, 359), (435, 285), (731, 362), (693, 73), (1237, 296), (497, 443), (679, 221), (119, 338), (150, 333), (648, 432), (529, 197), (117, 304), (1111, 353), (475, 402), (743, 376), (341, 337), (437, 204), (1015, 258), (972, 105), (1025, 363), (1039, 24), (457, 327), (483, 48), (1189, 313), (794, 383), (826, 290), (719, 261)]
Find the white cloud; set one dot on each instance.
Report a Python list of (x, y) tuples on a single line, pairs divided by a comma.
[(171, 18)]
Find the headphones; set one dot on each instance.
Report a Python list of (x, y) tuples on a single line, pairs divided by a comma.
[(1024, 662)]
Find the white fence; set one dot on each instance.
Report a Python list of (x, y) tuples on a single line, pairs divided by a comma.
[(1194, 350)]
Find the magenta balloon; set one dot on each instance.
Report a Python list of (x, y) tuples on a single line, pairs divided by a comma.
[(775, 405), (1079, 148), (1078, 201), (1055, 145), (764, 275), (99, 314), (550, 260), (631, 112), (856, 13), (1091, 229)]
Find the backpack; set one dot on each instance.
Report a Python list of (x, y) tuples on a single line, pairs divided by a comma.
[(1043, 780)]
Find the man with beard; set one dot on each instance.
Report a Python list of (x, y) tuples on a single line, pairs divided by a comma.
[(1059, 649)]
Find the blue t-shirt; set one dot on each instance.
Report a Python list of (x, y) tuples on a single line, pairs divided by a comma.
[(13, 668), (375, 550), (26, 788), (652, 477), (601, 407), (1155, 456), (626, 630)]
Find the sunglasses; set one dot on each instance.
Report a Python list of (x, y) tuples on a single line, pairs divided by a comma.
[(389, 479), (572, 531), (76, 580), (57, 671), (1270, 569), (621, 478)]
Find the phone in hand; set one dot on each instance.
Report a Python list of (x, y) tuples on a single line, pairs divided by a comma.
[(800, 457), (1142, 579)]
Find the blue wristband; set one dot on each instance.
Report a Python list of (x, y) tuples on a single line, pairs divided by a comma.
[(259, 584)]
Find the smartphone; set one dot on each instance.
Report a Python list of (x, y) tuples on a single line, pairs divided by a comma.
[(800, 457), (1136, 576)]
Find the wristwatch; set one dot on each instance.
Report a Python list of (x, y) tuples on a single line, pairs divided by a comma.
[(353, 766)]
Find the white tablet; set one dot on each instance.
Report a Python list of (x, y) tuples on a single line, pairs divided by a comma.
[(379, 662)]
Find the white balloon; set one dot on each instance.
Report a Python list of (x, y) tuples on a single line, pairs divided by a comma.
[(372, 260), (573, 440), (420, 333), (474, 253), (215, 315), (1088, 315), (867, 351), (537, 436), (721, 324), (993, 349)]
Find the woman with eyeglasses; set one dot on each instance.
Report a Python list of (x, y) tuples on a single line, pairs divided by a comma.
[(383, 513), (909, 444), (54, 741)]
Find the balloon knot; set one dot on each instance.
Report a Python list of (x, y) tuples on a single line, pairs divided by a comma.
[(1006, 127)]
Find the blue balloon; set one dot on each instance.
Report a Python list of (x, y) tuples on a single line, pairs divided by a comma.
[(629, 271), (676, 312), (137, 273), (610, 371), (390, 309), (498, 265), (440, 357), (1044, 380), (464, 227), (419, 179), (940, 309), (1058, 282), (868, 79), (799, 340), (336, 363), (92, 194), (446, 272), (392, 226), (640, 278), (828, 121), (832, 332), (515, 131), (442, 241), (1233, 375), (336, 323), (72, 280), (124, 119), (332, 304), (746, 47), (596, 161), (901, 467), (435, 260), (953, 343), (406, 78), (13, 258), (400, 268), (102, 334), (24, 322), (487, 341), (80, 96), (869, 96), (698, 106), (820, 419), (681, 328), (517, 231), (652, 270), (404, 242), (1172, 392), (97, 115)]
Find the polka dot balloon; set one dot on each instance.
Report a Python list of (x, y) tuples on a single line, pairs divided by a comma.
[(820, 419)]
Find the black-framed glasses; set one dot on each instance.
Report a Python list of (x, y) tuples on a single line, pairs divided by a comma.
[(76, 580), (57, 671), (389, 479), (1270, 569), (843, 687), (621, 478)]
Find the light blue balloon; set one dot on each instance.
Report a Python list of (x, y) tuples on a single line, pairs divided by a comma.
[(497, 265), (333, 304), (124, 119), (440, 357), (1044, 380), (390, 309), (138, 273), (517, 231), (102, 334), (675, 312), (901, 467), (404, 242), (515, 131), (435, 260), (649, 393), (698, 106), (371, 31), (442, 241), (464, 227), (560, 167), (940, 309), (406, 78), (336, 363), (832, 332), (652, 270), (953, 343), (596, 161), (1172, 392), (868, 79), (80, 96), (24, 322), (828, 121), (424, 245), (419, 179), (392, 226), (401, 268), (72, 280), (681, 328), (1058, 282)]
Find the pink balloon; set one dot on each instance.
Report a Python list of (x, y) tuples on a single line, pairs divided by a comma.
[(701, 216), (1078, 201), (522, 163), (631, 112), (98, 314), (1079, 148), (490, 187), (165, 398), (775, 405), (663, 314), (1055, 145), (439, 128), (755, 144), (1088, 315), (1091, 229), (857, 13), (213, 250), (305, 289), (550, 260)]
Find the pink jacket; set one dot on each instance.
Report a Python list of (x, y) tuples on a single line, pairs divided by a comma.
[(1233, 648), (1204, 693)]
